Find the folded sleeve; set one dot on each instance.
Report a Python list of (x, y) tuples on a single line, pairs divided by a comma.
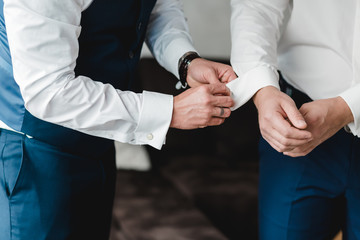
[(256, 27), (43, 40)]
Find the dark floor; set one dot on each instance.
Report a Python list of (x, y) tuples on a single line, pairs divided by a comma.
[(196, 198)]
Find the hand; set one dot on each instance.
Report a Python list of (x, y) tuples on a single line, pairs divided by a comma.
[(206, 105), (202, 71), (281, 123), (324, 118)]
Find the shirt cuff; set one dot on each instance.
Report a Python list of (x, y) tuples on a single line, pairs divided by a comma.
[(244, 88), (155, 118), (174, 52), (352, 99)]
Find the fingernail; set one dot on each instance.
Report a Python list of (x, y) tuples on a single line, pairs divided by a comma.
[(302, 122)]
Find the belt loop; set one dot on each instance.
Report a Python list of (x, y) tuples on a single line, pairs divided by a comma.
[(288, 91), (284, 86)]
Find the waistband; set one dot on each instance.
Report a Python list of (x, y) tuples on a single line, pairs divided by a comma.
[(299, 97), (89, 149), (9, 135)]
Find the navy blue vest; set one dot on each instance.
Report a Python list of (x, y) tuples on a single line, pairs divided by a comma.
[(110, 43)]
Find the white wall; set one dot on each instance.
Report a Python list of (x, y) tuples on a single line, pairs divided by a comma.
[(209, 23)]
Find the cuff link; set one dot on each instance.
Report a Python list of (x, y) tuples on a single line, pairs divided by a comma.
[(150, 136)]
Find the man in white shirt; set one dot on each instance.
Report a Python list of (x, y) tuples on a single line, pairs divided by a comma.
[(309, 165), (66, 70)]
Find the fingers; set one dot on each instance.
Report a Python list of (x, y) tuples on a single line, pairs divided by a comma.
[(294, 115), (212, 78), (222, 101), (215, 121), (202, 71), (281, 134), (228, 76), (219, 89), (221, 112), (282, 143), (287, 131), (199, 107), (219, 95), (301, 151)]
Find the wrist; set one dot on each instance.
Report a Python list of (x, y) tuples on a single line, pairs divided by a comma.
[(263, 94), (183, 66), (342, 109)]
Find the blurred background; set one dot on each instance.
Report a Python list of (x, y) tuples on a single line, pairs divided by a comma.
[(209, 23), (203, 184)]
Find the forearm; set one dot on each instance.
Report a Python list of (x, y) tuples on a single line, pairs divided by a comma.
[(44, 48), (256, 28), (168, 35)]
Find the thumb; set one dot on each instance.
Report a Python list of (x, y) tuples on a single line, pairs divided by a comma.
[(228, 75), (219, 89), (212, 77), (294, 115)]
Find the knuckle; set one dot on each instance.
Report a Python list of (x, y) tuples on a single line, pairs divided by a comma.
[(207, 100), (208, 118), (277, 148), (219, 121), (227, 112), (204, 121), (286, 133), (204, 89), (267, 117), (282, 148), (263, 129), (208, 112), (285, 142), (208, 72), (230, 101)]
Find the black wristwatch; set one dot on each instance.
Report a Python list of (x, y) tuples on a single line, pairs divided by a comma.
[(183, 65)]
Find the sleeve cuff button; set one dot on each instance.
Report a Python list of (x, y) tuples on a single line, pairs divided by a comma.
[(150, 136)]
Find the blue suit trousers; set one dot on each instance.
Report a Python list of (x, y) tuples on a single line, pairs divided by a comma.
[(48, 193), (311, 197)]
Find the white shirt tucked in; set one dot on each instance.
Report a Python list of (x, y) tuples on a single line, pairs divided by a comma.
[(315, 44), (43, 39)]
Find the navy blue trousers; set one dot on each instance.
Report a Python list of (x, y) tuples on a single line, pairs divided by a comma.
[(311, 197), (48, 193)]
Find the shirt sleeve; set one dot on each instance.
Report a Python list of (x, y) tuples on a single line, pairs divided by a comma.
[(256, 27), (352, 98), (168, 35), (43, 40)]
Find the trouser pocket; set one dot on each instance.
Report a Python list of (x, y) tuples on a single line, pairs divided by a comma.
[(12, 160)]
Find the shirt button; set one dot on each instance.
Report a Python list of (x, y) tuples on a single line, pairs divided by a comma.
[(150, 136), (139, 25), (131, 54)]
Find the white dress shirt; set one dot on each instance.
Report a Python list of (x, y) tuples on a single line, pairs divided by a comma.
[(315, 44), (43, 40)]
